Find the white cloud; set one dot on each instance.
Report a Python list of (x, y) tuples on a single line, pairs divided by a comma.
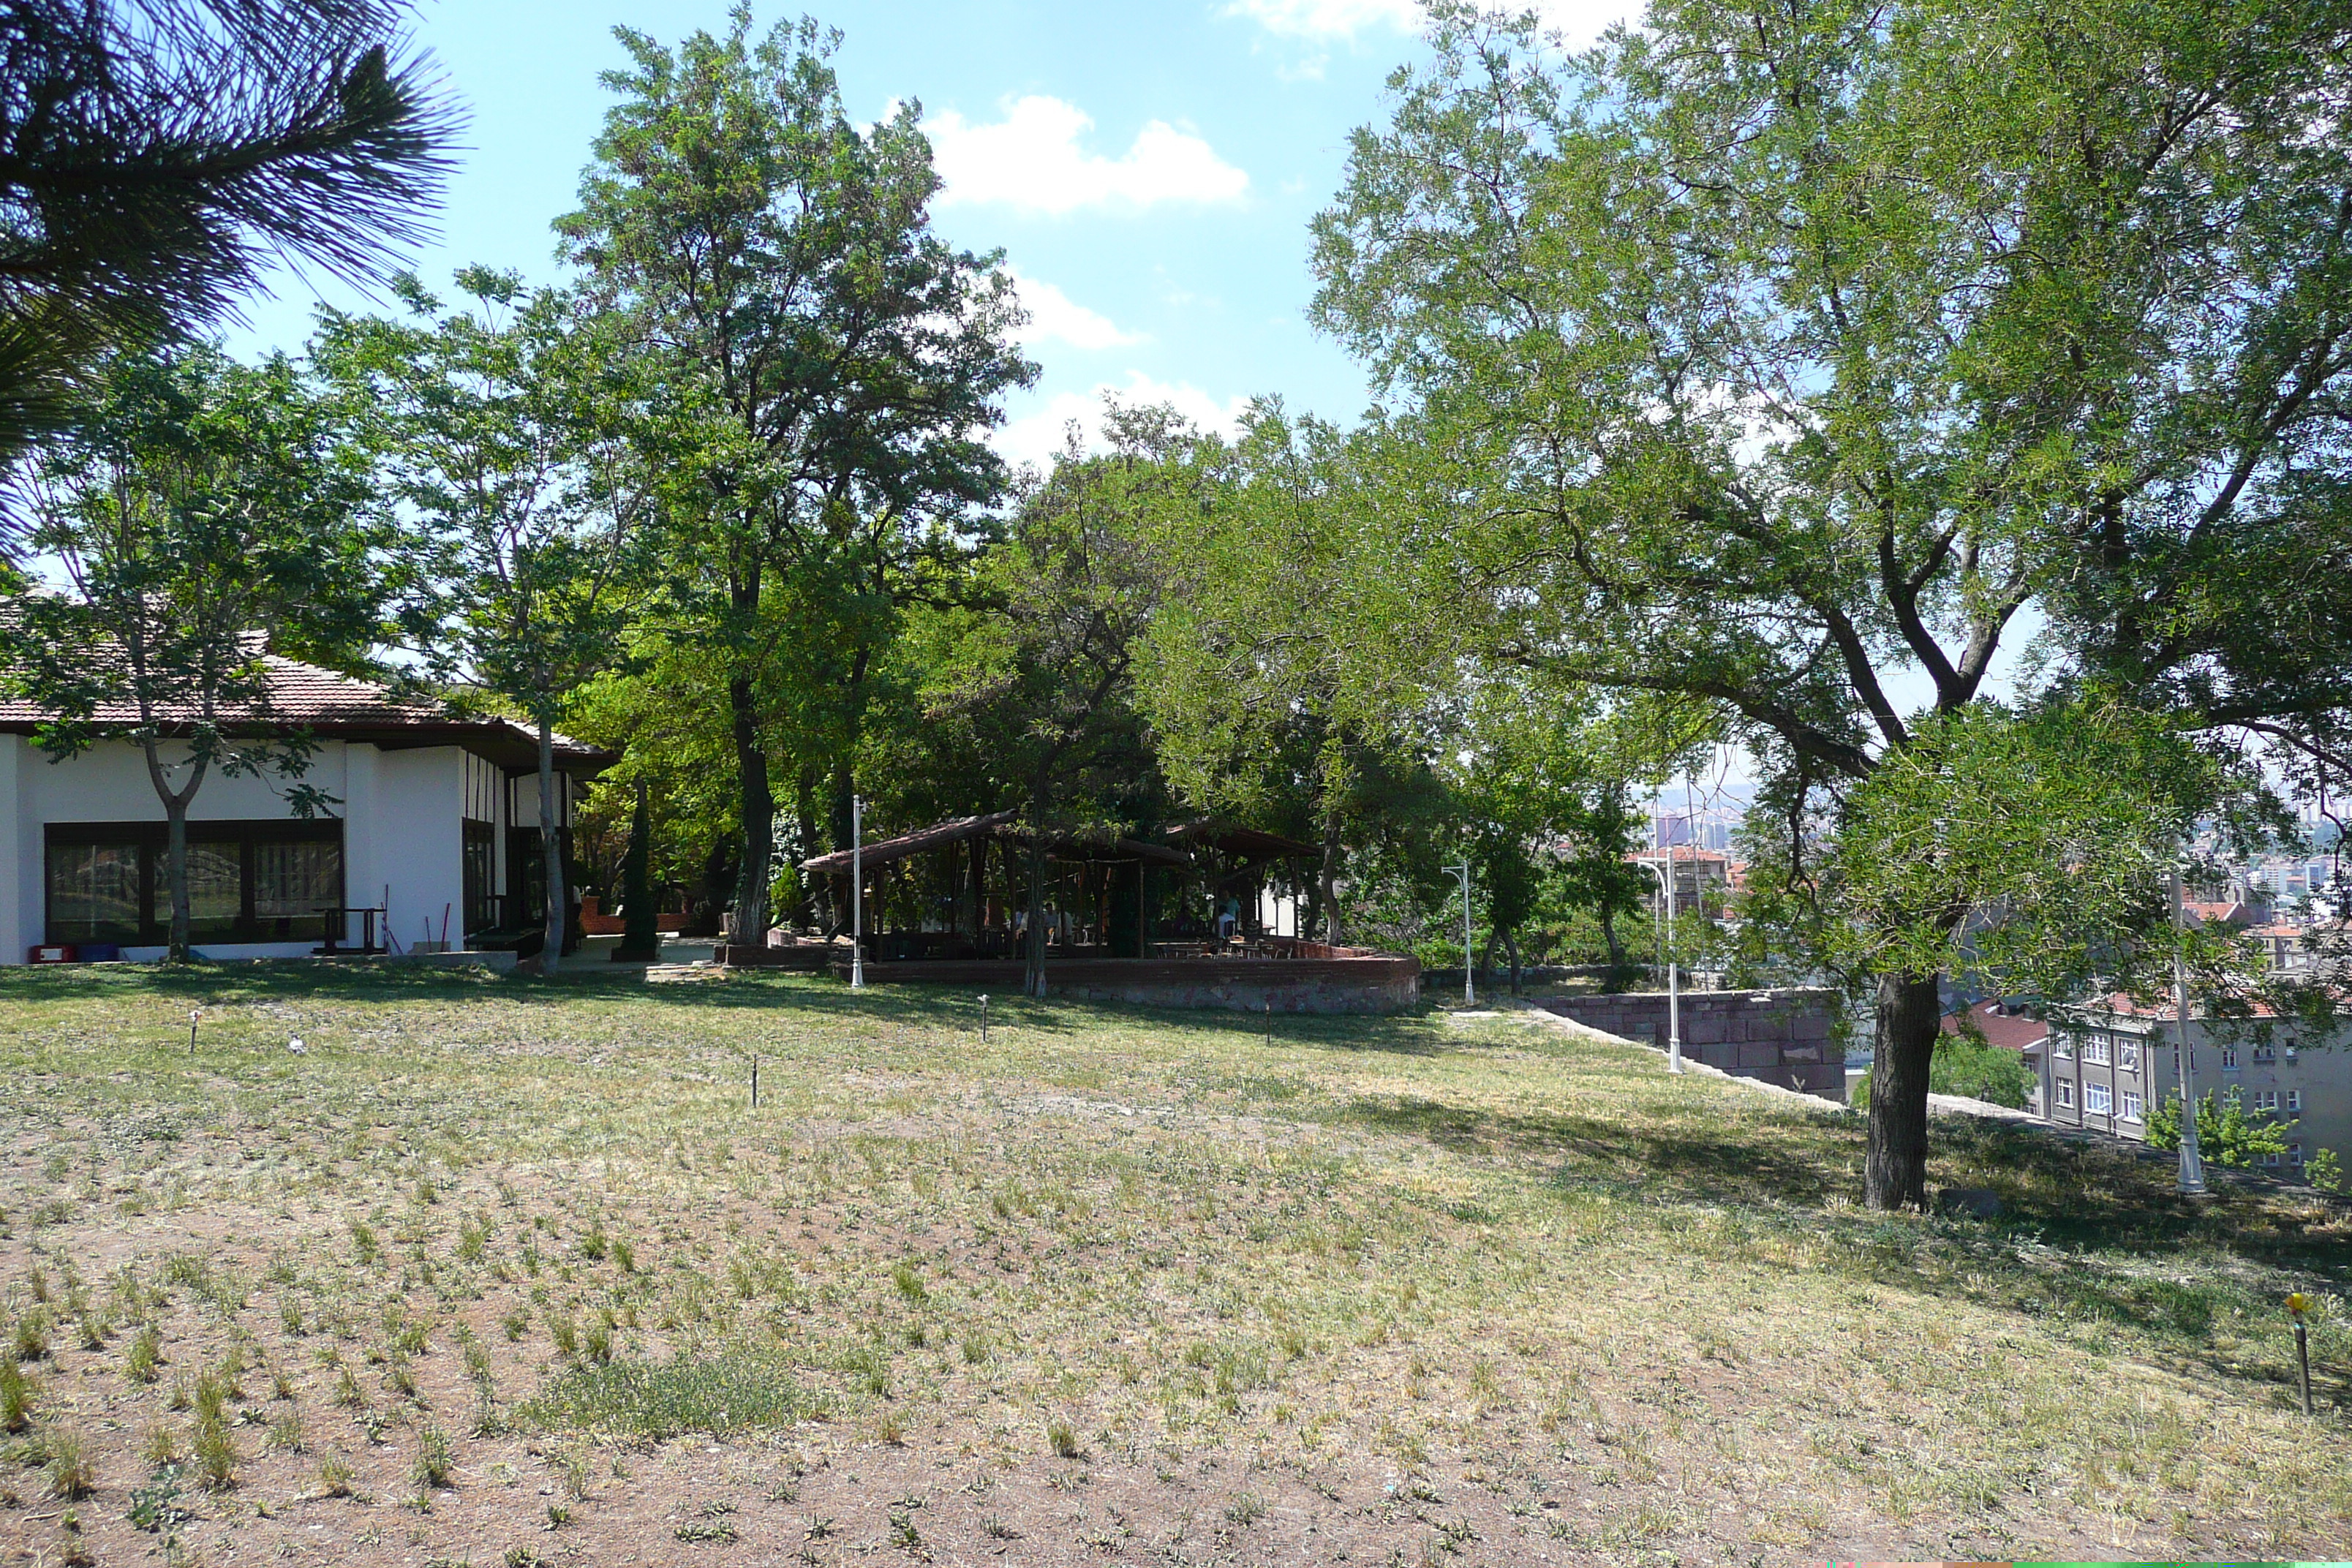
[(1032, 159), (1037, 437), (1579, 21), (1056, 318), (1327, 18)]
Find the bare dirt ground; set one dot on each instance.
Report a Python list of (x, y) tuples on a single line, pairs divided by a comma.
[(510, 1272)]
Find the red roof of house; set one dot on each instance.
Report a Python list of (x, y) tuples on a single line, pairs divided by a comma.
[(340, 707), (2217, 911), (2011, 1031)]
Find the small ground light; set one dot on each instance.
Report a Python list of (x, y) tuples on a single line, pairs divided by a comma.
[(2298, 1307), (983, 1017), (755, 1083), (194, 1014)]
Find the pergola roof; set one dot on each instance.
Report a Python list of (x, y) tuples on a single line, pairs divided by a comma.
[(1249, 843), (995, 824)]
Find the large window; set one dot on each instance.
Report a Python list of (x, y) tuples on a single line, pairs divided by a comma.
[(97, 892), (2098, 1098), (247, 882)]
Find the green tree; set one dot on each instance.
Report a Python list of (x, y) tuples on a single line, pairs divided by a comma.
[(498, 423), (1043, 666), (156, 155), (832, 364), (2226, 1135), (1744, 363), (202, 511)]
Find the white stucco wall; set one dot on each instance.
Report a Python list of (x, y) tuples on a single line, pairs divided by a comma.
[(401, 833), (406, 851)]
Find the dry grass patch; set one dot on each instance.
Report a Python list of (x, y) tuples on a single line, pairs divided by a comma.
[(511, 1266)]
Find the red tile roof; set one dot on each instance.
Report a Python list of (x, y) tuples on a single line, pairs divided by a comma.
[(2011, 1031), (340, 707)]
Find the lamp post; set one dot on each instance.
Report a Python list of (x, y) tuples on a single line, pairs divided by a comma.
[(2192, 1164), (857, 894), (1469, 989), (1673, 968)]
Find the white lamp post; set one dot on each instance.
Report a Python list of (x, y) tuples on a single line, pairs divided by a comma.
[(857, 894), (2192, 1164), (1469, 989), (1673, 968)]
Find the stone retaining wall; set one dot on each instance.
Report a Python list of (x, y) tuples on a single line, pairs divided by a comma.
[(1779, 1036)]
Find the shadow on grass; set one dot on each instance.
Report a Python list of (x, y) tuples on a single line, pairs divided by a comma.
[(945, 1007), (2088, 1233)]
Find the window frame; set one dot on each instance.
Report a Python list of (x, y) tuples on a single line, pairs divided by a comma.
[(2133, 1108), (2096, 1051), (2067, 1093), (150, 840), (2092, 1093)]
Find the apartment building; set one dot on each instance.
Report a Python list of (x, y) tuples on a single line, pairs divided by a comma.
[(2103, 1065)]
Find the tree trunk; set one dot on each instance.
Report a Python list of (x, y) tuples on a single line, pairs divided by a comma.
[(759, 805), (1895, 1169), (1034, 977), (1326, 878), (1616, 944), (551, 855), (1511, 946), (805, 808), (1486, 956), (175, 844), (640, 933)]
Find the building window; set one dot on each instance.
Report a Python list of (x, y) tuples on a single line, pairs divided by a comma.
[(481, 910), (247, 882), (2063, 1045), (2265, 1054), (97, 892), (2131, 1106), (2066, 1091), (2295, 1100), (2098, 1098), (2228, 1058), (2269, 1159), (2294, 1153), (2094, 1050), (2127, 1055)]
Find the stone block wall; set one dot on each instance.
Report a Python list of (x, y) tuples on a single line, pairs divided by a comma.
[(1781, 1036)]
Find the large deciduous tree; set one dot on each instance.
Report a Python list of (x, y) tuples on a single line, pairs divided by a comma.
[(202, 511), (1779, 361), (834, 364)]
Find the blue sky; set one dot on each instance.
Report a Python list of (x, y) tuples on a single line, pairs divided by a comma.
[(1148, 170)]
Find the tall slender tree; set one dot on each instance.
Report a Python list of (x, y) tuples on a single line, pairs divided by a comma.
[(835, 363)]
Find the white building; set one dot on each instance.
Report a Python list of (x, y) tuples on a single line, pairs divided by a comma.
[(433, 838)]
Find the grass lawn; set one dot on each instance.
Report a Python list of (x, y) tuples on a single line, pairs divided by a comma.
[(509, 1271)]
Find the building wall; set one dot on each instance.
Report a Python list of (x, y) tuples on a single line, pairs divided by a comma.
[(2318, 1070), (399, 811), (1779, 1036)]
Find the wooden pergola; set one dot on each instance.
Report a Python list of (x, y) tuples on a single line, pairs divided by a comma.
[(979, 918), (968, 898)]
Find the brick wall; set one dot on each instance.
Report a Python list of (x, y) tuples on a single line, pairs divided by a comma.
[(1781, 1036)]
